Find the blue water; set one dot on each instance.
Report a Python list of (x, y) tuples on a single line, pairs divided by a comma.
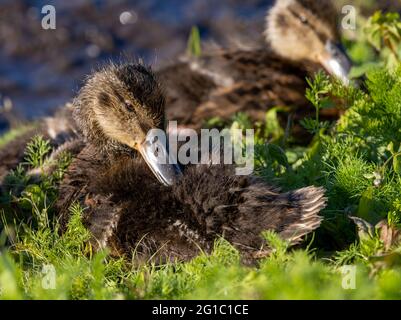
[(42, 69)]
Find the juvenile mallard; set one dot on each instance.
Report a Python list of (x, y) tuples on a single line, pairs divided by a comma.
[(129, 210), (301, 38)]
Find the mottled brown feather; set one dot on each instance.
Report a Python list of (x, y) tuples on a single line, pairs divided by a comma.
[(127, 209), (224, 82)]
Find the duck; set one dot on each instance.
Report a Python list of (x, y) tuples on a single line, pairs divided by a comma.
[(162, 212), (301, 37)]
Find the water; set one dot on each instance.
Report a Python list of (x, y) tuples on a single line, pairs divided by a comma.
[(43, 69)]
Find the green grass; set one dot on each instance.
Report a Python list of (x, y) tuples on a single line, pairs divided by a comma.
[(357, 160), (14, 133), (285, 275)]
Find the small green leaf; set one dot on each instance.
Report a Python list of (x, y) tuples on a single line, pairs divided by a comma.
[(390, 147), (194, 43), (366, 206), (397, 163), (273, 127), (365, 229)]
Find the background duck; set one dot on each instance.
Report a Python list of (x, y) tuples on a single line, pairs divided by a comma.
[(301, 37), (59, 129), (128, 209)]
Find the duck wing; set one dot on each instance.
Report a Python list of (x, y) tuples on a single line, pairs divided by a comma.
[(125, 208), (185, 90), (240, 208), (225, 82)]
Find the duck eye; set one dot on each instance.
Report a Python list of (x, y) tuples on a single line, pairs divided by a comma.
[(128, 105)]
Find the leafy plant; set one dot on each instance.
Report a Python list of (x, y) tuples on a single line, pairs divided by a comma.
[(384, 30), (317, 95), (36, 151)]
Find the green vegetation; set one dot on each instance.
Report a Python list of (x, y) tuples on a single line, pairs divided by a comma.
[(357, 160), (194, 47), (13, 134)]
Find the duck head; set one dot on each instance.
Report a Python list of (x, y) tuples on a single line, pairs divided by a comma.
[(116, 110), (306, 30)]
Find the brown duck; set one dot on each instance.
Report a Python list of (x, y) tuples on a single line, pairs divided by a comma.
[(301, 37), (153, 211)]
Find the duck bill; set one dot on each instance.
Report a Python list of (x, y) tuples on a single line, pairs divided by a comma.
[(154, 151), (337, 62)]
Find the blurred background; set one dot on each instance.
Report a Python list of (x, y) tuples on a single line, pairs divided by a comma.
[(42, 69)]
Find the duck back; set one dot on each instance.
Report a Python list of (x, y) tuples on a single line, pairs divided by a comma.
[(223, 83)]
